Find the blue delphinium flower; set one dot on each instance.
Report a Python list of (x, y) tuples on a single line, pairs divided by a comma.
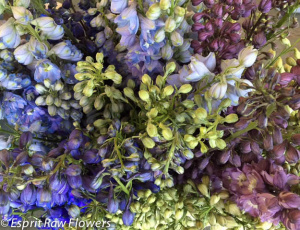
[(9, 36), (45, 69), (15, 81), (117, 6), (128, 25), (65, 50), (13, 103)]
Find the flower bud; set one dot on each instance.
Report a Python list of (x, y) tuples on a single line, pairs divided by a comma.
[(74, 211), (167, 52), (167, 133), (39, 101), (201, 113), (144, 95), (186, 88), (154, 11), (178, 215), (28, 169), (165, 4), (148, 142), (234, 210), (168, 90), (170, 68), (176, 39), (247, 56), (214, 199), (159, 35), (179, 11), (49, 100), (218, 90), (170, 25), (203, 189), (231, 118), (151, 130)]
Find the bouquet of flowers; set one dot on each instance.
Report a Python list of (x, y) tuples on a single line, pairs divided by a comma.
[(151, 115)]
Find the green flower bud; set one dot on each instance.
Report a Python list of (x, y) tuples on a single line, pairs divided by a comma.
[(141, 194), (167, 133), (170, 68), (214, 199), (170, 25), (87, 91), (49, 100), (212, 219), (152, 113), (129, 93), (204, 148), (221, 144), (188, 104), (58, 86), (146, 79), (148, 142), (205, 180), (180, 117), (145, 209), (203, 189), (176, 39), (78, 95), (192, 144), (57, 102), (224, 195), (291, 61), (168, 90), (225, 103), (165, 4), (66, 96), (168, 213), (234, 210), (158, 181), (188, 154), (186, 88), (231, 118), (153, 12), (28, 169), (160, 203), (159, 81), (131, 84), (84, 101), (155, 166), (99, 102), (52, 110), (100, 123), (180, 170), (144, 95), (201, 113), (21, 187), (159, 35), (151, 199), (169, 183), (151, 130), (221, 220), (40, 101), (179, 215), (180, 11)]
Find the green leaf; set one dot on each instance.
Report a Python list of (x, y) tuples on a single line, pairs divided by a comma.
[(270, 109)]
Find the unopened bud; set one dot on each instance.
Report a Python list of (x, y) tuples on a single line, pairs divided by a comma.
[(203, 189), (154, 11), (186, 88), (214, 199), (165, 4), (170, 25)]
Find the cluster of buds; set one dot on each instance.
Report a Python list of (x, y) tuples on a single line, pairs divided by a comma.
[(58, 98), (175, 126), (92, 79), (190, 207)]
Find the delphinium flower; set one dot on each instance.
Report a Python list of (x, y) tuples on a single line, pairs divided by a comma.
[(216, 33)]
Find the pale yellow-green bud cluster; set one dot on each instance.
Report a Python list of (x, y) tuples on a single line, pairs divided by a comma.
[(184, 208)]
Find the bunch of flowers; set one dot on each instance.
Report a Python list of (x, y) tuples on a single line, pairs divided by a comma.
[(150, 114)]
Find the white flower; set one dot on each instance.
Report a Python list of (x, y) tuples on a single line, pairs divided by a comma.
[(21, 14), (209, 61), (197, 70), (247, 56), (218, 90), (9, 36), (23, 55)]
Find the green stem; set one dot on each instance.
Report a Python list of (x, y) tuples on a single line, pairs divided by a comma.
[(170, 155), (287, 15), (118, 152), (251, 126), (8, 132), (121, 185)]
